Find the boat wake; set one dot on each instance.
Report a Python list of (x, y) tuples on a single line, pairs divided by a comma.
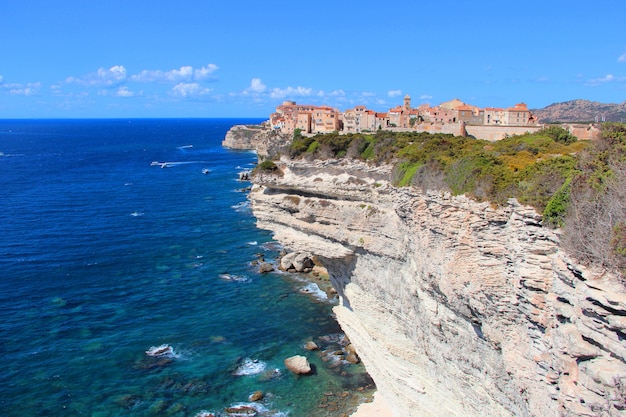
[(162, 351), (235, 278), (175, 163)]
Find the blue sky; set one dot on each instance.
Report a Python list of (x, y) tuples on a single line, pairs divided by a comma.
[(131, 58)]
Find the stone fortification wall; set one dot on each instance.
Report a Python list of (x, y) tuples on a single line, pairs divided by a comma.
[(456, 308), (583, 131), (457, 129), (494, 133)]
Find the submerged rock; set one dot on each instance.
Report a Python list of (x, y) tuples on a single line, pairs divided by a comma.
[(266, 267), (241, 411), (256, 396), (311, 345)]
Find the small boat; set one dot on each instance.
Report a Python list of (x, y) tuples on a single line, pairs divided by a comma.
[(206, 171)]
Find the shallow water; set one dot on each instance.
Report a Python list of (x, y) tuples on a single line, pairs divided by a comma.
[(104, 255)]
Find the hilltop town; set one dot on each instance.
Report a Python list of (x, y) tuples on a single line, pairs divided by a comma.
[(453, 116)]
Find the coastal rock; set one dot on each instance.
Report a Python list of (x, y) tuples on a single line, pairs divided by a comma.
[(261, 138), (456, 308), (311, 345), (266, 267), (299, 365), (297, 261), (256, 396), (351, 355), (241, 411)]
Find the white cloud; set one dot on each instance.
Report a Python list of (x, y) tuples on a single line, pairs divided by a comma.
[(1, 79), (256, 86), (29, 89), (190, 90), (622, 58), (425, 97), (279, 93), (609, 78), (124, 92), (205, 72), (102, 77), (394, 93), (185, 73)]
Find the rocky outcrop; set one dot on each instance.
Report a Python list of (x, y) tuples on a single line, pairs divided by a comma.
[(299, 365), (262, 138), (455, 307)]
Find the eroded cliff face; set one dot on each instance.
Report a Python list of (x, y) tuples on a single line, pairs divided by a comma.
[(456, 308), (259, 137)]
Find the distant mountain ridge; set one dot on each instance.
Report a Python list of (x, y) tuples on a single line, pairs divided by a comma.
[(581, 111)]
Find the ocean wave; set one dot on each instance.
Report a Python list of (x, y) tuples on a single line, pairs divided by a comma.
[(315, 291), (250, 367), (243, 206), (205, 413)]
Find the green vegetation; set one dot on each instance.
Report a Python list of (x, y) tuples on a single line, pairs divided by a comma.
[(531, 168), (267, 165), (595, 224), (580, 186)]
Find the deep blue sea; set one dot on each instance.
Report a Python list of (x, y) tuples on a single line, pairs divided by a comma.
[(105, 255)]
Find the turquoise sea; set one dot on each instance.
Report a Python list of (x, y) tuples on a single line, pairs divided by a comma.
[(118, 236)]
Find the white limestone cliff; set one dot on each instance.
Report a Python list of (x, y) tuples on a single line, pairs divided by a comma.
[(258, 137), (456, 308)]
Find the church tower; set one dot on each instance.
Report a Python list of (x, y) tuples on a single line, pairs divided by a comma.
[(407, 103)]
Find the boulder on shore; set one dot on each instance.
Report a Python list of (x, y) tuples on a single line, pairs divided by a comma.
[(311, 345), (265, 267), (298, 364), (298, 261)]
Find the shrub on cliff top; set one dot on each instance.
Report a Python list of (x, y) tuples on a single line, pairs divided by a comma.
[(268, 167), (596, 215), (530, 167)]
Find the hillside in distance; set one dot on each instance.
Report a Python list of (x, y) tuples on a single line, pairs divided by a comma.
[(581, 111)]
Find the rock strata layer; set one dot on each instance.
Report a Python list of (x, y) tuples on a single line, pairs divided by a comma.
[(456, 308)]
